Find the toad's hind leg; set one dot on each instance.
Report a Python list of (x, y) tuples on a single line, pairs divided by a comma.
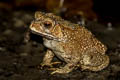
[(95, 61)]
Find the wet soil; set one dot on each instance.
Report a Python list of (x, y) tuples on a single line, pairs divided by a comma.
[(19, 61)]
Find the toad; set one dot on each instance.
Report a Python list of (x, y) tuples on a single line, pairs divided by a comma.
[(71, 43)]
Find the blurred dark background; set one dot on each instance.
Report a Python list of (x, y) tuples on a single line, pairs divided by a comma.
[(107, 10)]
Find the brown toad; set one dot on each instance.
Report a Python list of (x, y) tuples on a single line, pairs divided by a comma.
[(70, 42)]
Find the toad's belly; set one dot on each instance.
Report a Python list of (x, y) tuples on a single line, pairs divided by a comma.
[(59, 55)]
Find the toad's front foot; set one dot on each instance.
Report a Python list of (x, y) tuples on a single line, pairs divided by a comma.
[(49, 64)]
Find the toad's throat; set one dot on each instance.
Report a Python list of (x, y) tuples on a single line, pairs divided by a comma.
[(46, 35)]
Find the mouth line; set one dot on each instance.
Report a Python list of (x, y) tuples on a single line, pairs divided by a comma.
[(46, 35)]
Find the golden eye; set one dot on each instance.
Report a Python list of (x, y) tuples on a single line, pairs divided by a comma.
[(47, 24)]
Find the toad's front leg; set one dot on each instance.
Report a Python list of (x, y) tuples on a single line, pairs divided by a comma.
[(48, 58)]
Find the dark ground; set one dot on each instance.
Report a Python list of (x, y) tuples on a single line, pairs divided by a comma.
[(18, 61)]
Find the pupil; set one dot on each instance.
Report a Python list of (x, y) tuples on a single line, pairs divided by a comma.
[(47, 24)]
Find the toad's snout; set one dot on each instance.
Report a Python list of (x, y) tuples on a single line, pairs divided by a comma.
[(35, 26)]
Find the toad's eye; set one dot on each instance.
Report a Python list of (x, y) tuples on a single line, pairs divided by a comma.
[(47, 24)]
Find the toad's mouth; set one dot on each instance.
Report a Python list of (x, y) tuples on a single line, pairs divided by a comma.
[(46, 35)]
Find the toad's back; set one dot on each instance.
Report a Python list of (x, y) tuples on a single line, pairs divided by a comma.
[(81, 40)]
